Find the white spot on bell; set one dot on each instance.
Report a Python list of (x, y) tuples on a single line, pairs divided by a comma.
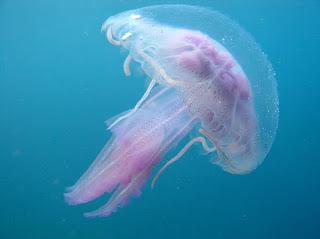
[(135, 16), (126, 36)]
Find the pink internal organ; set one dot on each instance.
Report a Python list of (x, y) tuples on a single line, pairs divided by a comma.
[(218, 92)]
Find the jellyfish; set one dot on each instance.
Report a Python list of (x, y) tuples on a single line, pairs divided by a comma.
[(207, 78)]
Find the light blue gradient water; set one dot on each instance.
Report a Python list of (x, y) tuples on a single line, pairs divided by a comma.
[(59, 80)]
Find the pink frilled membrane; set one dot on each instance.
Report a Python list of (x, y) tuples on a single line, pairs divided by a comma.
[(206, 76)]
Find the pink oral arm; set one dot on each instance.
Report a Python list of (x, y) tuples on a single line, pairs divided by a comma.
[(139, 142), (124, 158), (122, 195)]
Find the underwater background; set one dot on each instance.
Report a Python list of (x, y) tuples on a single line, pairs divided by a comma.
[(59, 81)]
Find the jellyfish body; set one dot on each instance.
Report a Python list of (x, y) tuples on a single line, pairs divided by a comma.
[(216, 81), (206, 75)]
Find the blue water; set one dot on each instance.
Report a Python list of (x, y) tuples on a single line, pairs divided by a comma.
[(59, 81)]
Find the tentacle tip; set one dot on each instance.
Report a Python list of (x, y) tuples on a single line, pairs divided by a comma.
[(109, 127), (69, 199), (73, 198), (90, 215), (69, 189), (96, 213), (153, 183)]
